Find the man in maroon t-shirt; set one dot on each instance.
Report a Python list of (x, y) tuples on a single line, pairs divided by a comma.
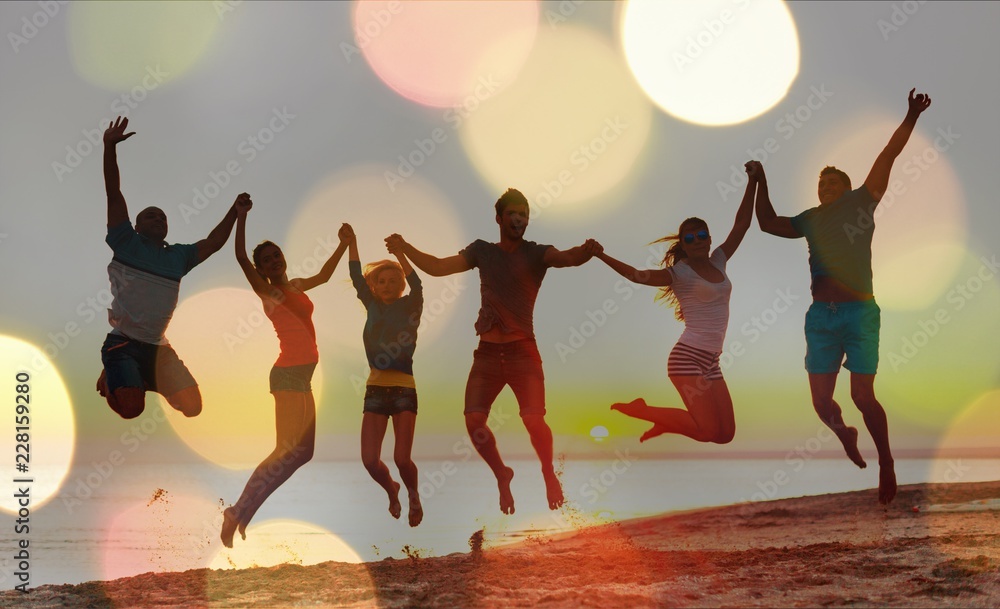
[(510, 271)]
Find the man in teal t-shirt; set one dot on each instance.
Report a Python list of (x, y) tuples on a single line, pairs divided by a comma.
[(844, 318)]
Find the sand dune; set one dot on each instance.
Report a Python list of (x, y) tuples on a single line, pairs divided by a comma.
[(938, 545)]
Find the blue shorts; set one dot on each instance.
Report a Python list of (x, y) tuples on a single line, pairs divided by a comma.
[(132, 363), (517, 364), (834, 329), (388, 401), (292, 378)]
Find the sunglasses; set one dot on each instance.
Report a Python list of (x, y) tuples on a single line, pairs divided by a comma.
[(702, 236)]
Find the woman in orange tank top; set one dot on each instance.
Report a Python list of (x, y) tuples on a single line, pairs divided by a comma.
[(290, 310)]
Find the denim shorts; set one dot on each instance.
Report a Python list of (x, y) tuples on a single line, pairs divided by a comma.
[(132, 363), (834, 329), (388, 401), (495, 365), (292, 378)]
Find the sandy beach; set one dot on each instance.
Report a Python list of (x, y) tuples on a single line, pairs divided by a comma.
[(937, 545)]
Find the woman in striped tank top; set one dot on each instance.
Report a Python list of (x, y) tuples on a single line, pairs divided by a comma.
[(290, 310), (694, 282)]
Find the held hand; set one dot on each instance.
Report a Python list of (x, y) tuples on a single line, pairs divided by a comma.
[(395, 244), (242, 204), (346, 234), (919, 103), (755, 170), (592, 248), (116, 132)]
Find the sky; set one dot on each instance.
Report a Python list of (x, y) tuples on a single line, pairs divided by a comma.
[(617, 121)]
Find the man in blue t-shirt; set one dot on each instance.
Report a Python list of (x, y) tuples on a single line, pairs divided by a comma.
[(145, 275), (511, 272), (844, 318)]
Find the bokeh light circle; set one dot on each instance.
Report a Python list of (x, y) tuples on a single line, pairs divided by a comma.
[(974, 432), (441, 53), (712, 63), (229, 345), (568, 130), (375, 206), (275, 542), (38, 401), (138, 46)]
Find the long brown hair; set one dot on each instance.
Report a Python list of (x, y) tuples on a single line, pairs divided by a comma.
[(675, 253)]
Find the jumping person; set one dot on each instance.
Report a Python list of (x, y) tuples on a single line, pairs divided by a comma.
[(694, 281), (390, 338), (145, 275), (290, 310), (511, 272), (844, 318)]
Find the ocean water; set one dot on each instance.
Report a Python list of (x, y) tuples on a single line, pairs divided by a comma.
[(143, 518)]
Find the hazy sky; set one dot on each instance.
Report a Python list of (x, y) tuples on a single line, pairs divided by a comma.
[(615, 126)]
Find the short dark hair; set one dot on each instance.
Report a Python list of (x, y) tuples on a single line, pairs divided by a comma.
[(511, 197), (834, 170)]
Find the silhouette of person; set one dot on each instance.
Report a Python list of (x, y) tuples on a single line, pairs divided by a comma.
[(390, 339), (844, 318), (694, 281), (290, 311), (145, 274), (511, 272)]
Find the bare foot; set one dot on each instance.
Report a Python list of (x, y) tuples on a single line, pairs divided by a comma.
[(632, 408), (849, 438), (886, 483), (652, 432), (395, 508), (229, 524), (102, 384), (506, 498), (553, 491), (243, 530), (416, 510)]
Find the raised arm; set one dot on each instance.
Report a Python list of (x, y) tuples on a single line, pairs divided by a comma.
[(574, 256), (432, 265), (217, 238), (767, 219), (324, 274), (652, 277), (260, 286), (117, 209), (878, 178), (744, 214)]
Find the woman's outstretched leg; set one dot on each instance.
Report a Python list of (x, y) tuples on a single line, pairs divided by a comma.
[(403, 425), (708, 416), (295, 442), (372, 432)]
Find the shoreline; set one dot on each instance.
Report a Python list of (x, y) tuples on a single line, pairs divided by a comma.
[(837, 549)]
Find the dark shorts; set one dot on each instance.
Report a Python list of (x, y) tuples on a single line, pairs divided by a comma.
[(517, 364), (834, 329), (132, 363), (388, 401), (292, 378)]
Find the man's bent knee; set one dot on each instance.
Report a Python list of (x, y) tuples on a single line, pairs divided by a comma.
[(187, 401), (128, 402)]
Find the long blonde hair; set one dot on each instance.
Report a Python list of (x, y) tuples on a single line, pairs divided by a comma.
[(374, 269), (675, 253)]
